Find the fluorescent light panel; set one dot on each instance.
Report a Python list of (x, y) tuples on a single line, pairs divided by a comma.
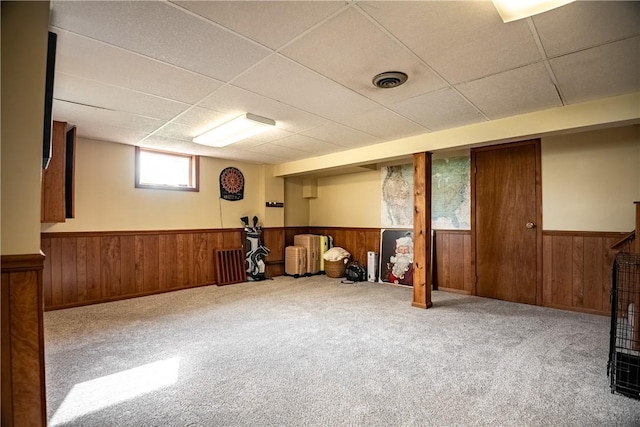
[(512, 10), (240, 128)]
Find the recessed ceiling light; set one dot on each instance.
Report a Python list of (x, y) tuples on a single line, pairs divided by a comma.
[(512, 10), (240, 128), (389, 79)]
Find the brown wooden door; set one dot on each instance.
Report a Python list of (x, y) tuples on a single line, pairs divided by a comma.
[(506, 221)]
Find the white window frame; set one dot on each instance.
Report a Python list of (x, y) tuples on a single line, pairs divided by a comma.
[(194, 172)]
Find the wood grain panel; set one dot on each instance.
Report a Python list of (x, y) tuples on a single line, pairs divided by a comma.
[(94, 270), (593, 278), (110, 268), (577, 284), (85, 268), (357, 241), (577, 270), (23, 376), (69, 270), (81, 268), (200, 258), (127, 265), (185, 259), (452, 261), (45, 247), (150, 273), (56, 271), (53, 178), (422, 230), (562, 284)]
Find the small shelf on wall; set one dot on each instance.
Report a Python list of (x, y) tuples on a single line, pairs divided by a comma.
[(274, 204)]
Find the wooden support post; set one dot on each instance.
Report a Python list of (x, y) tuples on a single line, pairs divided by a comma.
[(422, 230)]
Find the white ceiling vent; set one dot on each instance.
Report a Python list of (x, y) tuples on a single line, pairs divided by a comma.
[(389, 79)]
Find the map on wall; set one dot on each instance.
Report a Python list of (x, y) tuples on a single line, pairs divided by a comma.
[(451, 193), (397, 196)]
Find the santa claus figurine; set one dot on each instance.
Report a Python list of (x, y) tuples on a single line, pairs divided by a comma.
[(401, 264)]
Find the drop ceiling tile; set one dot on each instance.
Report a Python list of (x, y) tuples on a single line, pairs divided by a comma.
[(166, 143), (385, 124), (177, 131), (259, 158), (90, 59), (460, 40), (95, 94), (161, 31), (103, 132), (602, 71), (271, 149), (308, 144), (271, 23), (342, 135), (444, 109), (237, 101), (80, 115), (369, 52), (283, 80), (585, 24), (518, 91), (200, 118)]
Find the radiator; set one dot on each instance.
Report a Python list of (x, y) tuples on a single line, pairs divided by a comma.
[(230, 266)]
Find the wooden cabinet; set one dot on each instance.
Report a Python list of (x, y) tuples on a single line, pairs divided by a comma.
[(57, 179)]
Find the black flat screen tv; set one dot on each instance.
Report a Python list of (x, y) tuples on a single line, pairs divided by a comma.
[(48, 100)]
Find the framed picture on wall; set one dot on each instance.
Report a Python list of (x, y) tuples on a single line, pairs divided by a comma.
[(396, 256)]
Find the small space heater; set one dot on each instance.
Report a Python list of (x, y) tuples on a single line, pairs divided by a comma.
[(624, 346)]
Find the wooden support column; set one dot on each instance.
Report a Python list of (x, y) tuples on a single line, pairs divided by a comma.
[(422, 230), (23, 380)]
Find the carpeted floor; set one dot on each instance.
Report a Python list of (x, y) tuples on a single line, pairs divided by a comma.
[(317, 352)]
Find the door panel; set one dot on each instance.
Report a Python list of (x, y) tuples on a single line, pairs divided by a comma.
[(506, 216)]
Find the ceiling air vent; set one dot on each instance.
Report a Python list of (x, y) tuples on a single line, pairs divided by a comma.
[(389, 79)]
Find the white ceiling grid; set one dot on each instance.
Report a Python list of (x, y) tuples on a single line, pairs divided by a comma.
[(158, 73)]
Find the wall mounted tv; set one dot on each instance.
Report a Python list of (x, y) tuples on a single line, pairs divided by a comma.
[(48, 100)]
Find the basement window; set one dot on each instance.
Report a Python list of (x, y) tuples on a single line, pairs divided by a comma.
[(162, 170)]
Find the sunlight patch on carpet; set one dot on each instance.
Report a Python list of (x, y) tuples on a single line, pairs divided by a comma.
[(92, 396)]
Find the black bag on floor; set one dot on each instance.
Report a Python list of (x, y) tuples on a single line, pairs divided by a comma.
[(355, 272)]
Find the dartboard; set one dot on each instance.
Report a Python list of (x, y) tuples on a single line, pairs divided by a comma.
[(231, 184)]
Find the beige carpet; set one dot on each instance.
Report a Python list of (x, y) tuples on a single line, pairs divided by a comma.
[(316, 352)]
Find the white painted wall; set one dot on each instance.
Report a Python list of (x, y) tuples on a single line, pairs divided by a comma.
[(590, 180), (589, 183), (106, 198), (24, 58)]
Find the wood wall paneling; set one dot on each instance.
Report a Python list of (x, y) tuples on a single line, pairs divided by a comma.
[(577, 270), (274, 240), (452, 261), (356, 241), (23, 375), (86, 268)]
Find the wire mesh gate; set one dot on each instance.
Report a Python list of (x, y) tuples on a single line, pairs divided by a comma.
[(624, 346)]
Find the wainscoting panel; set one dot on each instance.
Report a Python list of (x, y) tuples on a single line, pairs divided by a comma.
[(274, 239), (23, 374), (452, 261), (577, 270), (357, 241), (92, 267)]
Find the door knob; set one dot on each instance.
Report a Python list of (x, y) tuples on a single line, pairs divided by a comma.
[(530, 225)]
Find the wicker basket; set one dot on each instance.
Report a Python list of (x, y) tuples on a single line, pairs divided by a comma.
[(335, 269)]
